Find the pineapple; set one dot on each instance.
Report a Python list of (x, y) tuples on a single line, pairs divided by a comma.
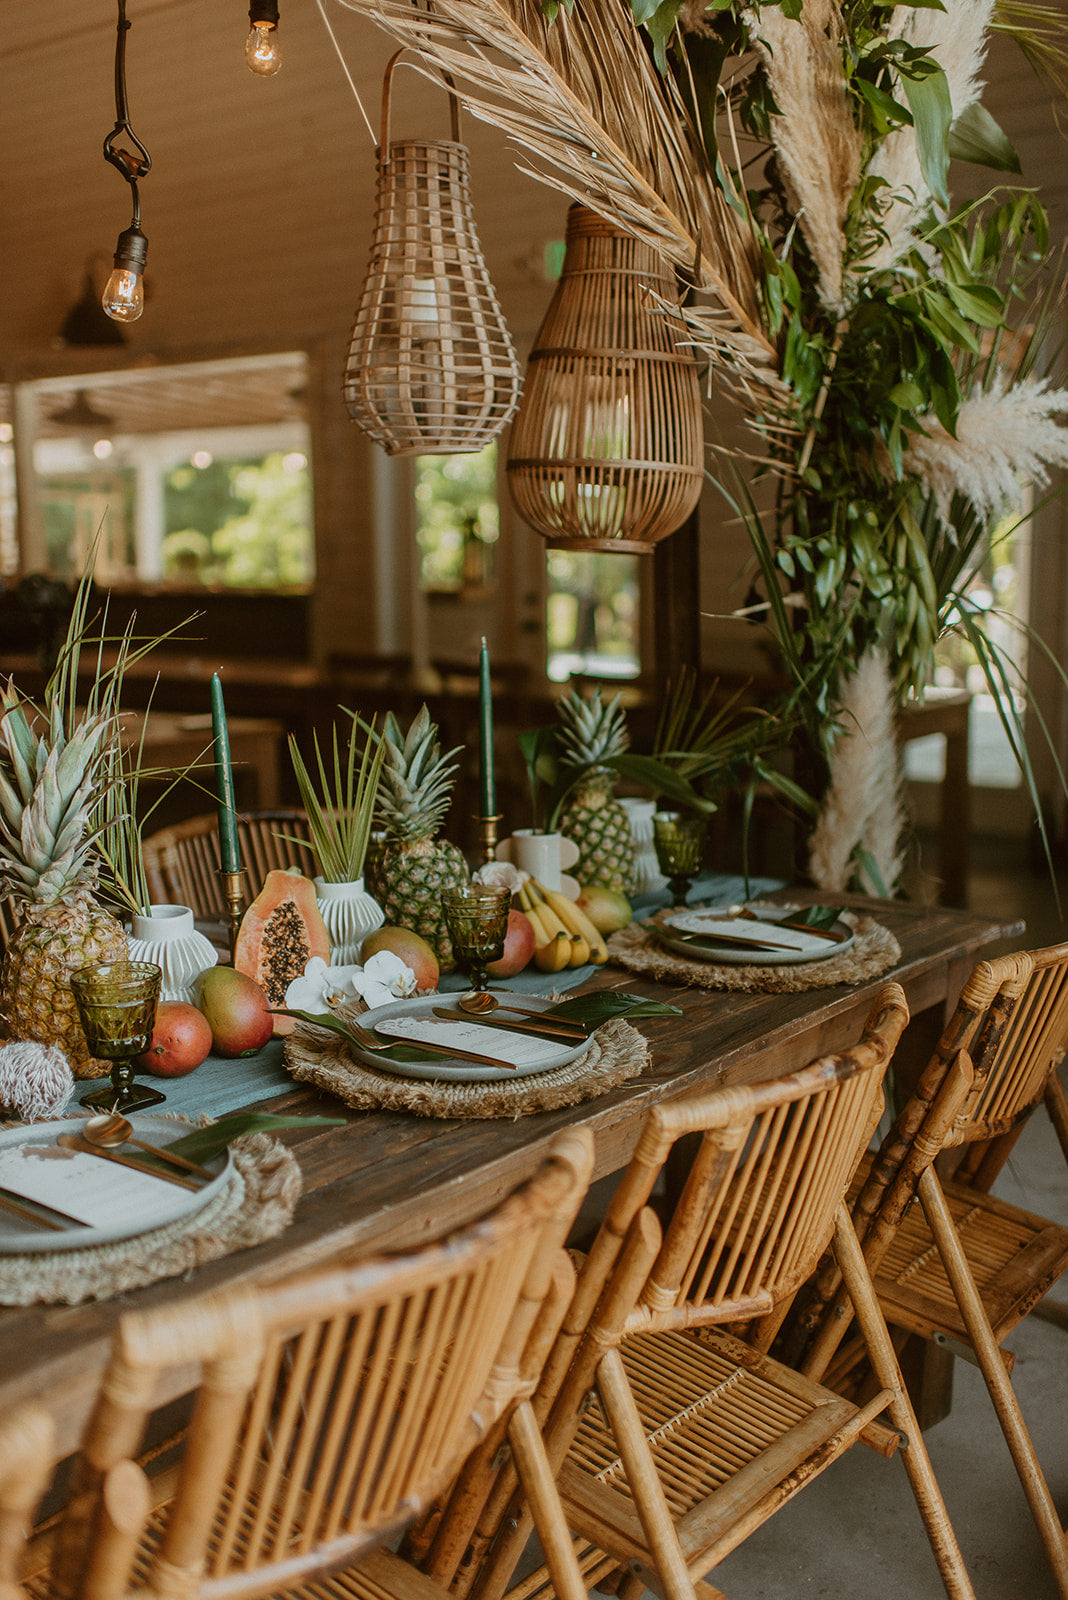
[(49, 787), (410, 867), (590, 734)]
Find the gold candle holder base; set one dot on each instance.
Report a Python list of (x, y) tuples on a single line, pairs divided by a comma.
[(487, 838), (234, 892)]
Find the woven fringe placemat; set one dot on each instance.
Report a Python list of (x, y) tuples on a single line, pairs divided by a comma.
[(873, 952), (256, 1204), (617, 1052)]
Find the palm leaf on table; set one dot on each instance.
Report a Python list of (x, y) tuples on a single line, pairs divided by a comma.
[(583, 98)]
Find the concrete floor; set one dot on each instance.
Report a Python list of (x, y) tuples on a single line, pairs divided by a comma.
[(856, 1531)]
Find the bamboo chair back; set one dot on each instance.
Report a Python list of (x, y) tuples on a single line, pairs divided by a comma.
[(1022, 1001), (964, 1268), (332, 1407), (26, 1436), (685, 1409), (182, 863), (757, 1209)]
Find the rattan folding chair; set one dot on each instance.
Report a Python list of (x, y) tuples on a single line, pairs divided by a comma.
[(330, 1409), (26, 1435), (680, 1436), (182, 863), (963, 1268)]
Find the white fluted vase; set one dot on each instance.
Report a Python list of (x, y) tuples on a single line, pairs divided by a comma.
[(168, 938), (647, 874), (350, 914)]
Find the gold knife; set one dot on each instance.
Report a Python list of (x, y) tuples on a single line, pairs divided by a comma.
[(554, 1031), (70, 1141)]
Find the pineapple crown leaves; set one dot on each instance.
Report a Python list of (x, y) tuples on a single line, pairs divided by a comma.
[(591, 741), (590, 732), (416, 780)]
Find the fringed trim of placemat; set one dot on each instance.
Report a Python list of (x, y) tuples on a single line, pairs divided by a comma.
[(617, 1052), (257, 1203), (874, 951)]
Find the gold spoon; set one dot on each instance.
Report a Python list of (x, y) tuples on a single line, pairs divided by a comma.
[(478, 1002), (111, 1129)]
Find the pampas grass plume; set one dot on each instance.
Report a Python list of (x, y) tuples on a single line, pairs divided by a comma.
[(862, 807)]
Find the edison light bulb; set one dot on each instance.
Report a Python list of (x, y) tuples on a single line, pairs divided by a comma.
[(263, 51), (124, 293)]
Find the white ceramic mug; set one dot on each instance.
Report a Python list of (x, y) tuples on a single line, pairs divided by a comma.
[(543, 855)]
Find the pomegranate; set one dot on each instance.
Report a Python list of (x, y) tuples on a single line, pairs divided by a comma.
[(181, 1038), (518, 948)]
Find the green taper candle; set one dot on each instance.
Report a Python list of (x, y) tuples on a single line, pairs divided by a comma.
[(485, 736), (229, 849)]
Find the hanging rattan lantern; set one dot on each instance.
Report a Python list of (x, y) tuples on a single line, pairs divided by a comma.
[(431, 368), (607, 450)]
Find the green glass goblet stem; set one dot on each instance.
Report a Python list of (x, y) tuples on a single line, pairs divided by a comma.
[(477, 922), (679, 840), (117, 1005)]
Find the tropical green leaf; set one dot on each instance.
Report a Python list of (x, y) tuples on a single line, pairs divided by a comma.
[(932, 113), (204, 1143), (976, 137), (602, 1004)]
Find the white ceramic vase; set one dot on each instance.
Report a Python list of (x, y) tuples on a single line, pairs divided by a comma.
[(544, 856), (350, 914), (648, 877), (168, 938)]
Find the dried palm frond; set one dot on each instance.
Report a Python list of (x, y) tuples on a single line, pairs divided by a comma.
[(1041, 32), (816, 137), (602, 125)]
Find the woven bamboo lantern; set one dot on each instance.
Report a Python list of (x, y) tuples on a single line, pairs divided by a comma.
[(607, 450), (431, 368)]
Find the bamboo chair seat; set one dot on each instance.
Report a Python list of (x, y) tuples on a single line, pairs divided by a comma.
[(1014, 1256), (673, 1437), (331, 1410), (962, 1265), (182, 863)]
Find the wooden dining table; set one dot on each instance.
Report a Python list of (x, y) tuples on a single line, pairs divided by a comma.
[(385, 1181)]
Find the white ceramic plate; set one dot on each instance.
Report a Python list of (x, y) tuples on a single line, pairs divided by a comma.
[(541, 1055), (126, 1202), (710, 920)]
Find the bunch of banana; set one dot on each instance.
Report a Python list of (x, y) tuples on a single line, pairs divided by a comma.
[(563, 935)]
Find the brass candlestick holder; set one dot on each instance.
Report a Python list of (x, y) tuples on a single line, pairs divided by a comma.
[(234, 892), (487, 837)]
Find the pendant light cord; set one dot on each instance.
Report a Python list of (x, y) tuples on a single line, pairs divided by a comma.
[(132, 166), (345, 70)]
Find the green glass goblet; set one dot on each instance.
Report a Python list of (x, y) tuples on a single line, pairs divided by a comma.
[(679, 840), (117, 1005), (476, 917)]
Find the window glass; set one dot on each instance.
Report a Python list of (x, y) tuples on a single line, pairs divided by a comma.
[(593, 620), (457, 518), (195, 475)]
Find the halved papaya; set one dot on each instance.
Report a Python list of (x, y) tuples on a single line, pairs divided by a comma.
[(279, 933)]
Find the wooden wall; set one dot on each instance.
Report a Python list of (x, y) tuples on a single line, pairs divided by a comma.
[(258, 212)]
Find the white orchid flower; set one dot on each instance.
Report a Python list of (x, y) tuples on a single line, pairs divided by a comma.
[(323, 988), (389, 970), (320, 987), (501, 875)]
